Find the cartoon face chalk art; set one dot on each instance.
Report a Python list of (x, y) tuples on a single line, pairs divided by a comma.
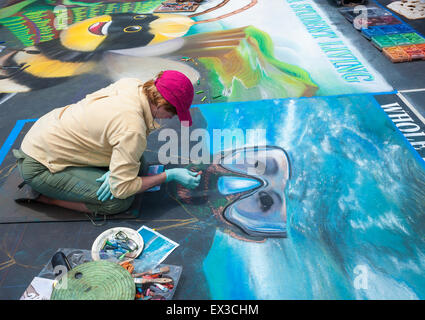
[(233, 52)]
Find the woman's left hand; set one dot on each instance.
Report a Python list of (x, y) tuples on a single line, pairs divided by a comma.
[(104, 192)]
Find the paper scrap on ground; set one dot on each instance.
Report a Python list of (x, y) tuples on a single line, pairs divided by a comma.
[(156, 248), (39, 289)]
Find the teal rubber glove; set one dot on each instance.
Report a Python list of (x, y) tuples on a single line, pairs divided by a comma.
[(185, 177), (104, 192)]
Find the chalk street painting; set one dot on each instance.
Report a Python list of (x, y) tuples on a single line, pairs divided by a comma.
[(338, 211), (231, 56), (337, 214)]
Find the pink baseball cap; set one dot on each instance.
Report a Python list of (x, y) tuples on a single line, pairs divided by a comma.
[(178, 90)]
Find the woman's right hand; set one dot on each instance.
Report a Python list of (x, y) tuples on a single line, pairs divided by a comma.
[(185, 177)]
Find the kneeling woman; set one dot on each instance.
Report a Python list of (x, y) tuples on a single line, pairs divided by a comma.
[(65, 156)]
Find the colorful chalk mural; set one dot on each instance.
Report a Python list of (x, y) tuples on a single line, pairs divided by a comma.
[(352, 203), (234, 58), (342, 196)]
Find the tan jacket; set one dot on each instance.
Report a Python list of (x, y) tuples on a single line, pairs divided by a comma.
[(108, 128)]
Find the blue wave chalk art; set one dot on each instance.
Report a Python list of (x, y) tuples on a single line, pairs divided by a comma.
[(354, 204)]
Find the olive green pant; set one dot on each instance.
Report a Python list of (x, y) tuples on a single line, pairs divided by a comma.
[(76, 184)]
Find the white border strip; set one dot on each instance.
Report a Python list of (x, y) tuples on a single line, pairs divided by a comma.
[(7, 97), (411, 107), (411, 90)]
